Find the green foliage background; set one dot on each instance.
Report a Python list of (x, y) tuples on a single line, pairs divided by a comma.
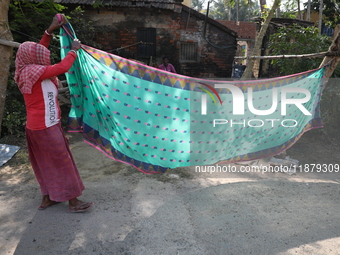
[(28, 21), (297, 40), (227, 10), (331, 11)]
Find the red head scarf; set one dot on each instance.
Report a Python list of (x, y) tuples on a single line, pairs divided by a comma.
[(31, 62)]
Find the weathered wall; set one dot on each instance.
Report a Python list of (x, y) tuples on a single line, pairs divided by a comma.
[(330, 110), (215, 53), (216, 50)]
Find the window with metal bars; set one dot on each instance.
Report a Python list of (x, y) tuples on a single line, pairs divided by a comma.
[(146, 39), (188, 52)]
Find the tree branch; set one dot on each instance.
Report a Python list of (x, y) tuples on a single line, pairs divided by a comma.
[(311, 55)]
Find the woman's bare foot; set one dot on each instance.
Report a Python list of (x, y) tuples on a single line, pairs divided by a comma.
[(76, 205), (46, 202)]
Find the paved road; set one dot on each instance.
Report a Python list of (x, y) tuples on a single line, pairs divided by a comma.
[(181, 212)]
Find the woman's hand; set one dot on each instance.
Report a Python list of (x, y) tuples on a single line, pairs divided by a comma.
[(56, 23), (76, 45)]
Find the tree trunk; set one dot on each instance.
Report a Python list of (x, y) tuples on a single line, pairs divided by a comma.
[(258, 42), (333, 61), (320, 16), (5, 55), (263, 3)]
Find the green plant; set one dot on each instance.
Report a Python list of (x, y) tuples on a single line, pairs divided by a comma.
[(84, 28), (331, 11), (14, 118), (296, 40)]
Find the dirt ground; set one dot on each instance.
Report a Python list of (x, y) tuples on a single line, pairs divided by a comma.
[(180, 212)]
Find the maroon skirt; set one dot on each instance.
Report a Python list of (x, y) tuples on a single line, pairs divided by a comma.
[(53, 164)]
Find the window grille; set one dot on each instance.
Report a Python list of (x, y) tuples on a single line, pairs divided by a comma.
[(188, 52), (146, 39)]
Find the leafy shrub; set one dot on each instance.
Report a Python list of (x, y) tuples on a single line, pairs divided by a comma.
[(14, 117), (296, 40)]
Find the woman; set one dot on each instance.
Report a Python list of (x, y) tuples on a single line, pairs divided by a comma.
[(167, 66), (48, 147)]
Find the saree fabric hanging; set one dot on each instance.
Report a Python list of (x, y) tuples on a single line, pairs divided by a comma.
[(156, 120)]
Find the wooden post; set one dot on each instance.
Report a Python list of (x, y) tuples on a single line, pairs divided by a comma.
[(311, 55), (9, 43), (334, 60)]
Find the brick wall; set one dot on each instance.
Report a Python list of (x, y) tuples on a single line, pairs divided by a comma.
[(215, 52), (243, 29)]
